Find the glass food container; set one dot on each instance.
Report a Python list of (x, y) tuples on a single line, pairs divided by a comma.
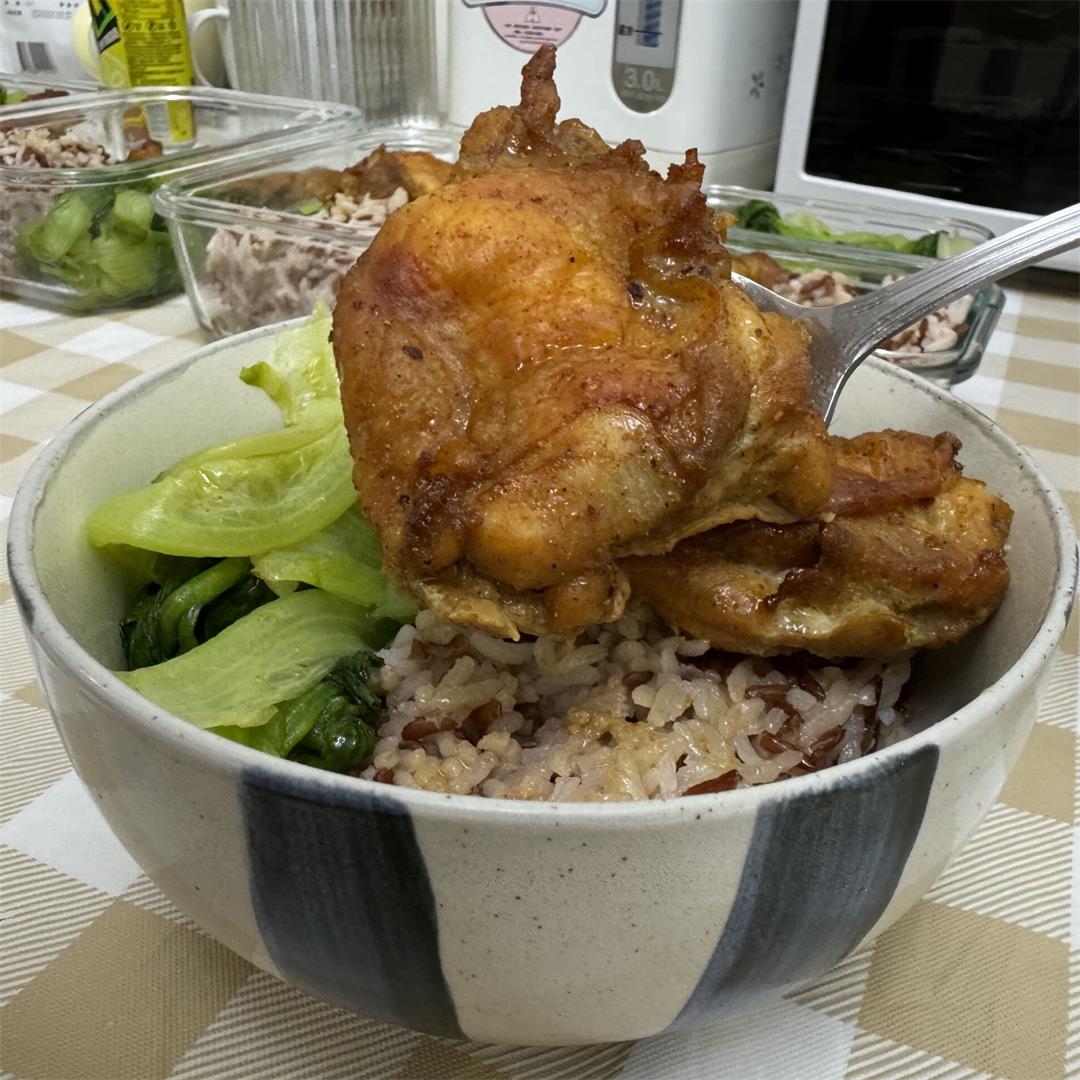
[(251, 252), (16, 87), (269, 241), (946, 346), (82, 234), (868, 247), (845, 224)]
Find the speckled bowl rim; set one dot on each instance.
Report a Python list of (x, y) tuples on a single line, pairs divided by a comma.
[(45, 628)]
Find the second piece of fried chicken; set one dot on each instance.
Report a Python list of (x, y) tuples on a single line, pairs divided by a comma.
[(545, 367), (907, 554)]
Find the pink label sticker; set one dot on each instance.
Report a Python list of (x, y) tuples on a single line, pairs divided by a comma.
[(528, 26)]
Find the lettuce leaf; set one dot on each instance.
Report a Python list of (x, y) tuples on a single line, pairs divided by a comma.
[(302, 369), (239, 506), (326, 726), (101, 242), (805, 226), (258, 494), (344, 559), (271, 655), (758, 215)]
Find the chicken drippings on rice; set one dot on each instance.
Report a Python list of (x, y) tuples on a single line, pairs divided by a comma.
[(628, 710)]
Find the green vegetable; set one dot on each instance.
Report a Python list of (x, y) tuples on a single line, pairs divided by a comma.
[(301, 370), (187, 602), (927, 245), (12, 97), (758, 215), (949, 244), (132, 212), (234, 506), (103, 242), (344, 559), (301, 714), (310, 206), (338, 741), (126, 268), (65, 224), (180, 610), (324, 726), (258, 494), (235, 603), (269, 738), (805, 226), (271, 655), (301, 379), (875, 241), (207, 638), (352, 676), (140, 629)]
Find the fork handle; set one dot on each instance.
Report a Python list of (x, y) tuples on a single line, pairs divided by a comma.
[(877, 316)]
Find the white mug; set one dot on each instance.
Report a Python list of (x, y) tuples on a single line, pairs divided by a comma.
[(212, 68)]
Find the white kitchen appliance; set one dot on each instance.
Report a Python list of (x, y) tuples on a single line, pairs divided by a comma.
[(964, 108), (709, 74)]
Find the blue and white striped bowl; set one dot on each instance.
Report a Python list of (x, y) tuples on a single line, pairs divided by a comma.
[(519, 922)]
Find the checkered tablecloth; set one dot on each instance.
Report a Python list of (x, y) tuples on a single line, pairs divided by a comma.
[(100, 977)]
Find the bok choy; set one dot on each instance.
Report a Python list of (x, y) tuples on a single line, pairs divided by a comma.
[(263, 597)]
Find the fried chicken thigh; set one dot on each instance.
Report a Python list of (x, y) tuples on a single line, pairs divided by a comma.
[(545, 367), (907, 553)]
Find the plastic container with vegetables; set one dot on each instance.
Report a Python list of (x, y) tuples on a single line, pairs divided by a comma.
[(78, 229)]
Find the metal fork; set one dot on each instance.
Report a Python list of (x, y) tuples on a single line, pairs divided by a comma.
[(842, 337)]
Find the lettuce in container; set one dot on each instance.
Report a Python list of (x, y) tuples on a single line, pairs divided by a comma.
[(758, 215), (105, 243), (263, 598)]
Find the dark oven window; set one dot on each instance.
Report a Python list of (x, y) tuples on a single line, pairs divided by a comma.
[(971, 101)]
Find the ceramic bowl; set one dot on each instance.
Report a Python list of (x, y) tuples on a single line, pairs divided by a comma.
[(519, 922)]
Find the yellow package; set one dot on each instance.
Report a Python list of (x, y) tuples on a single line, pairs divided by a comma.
[(145, 43)]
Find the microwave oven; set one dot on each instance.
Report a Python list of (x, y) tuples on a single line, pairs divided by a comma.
[(967, 108)]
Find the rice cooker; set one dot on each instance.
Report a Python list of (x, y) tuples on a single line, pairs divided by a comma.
[(709, 74)]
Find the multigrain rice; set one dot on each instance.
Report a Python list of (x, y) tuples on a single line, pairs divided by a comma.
[(629, 710), (936, 332), (36, 148), (43, 148), (253, 276)]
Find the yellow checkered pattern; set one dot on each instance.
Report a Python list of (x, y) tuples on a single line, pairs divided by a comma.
[(100, 977)]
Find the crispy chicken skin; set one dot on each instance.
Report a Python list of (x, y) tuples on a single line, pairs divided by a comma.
[(545, 367), (907, 553)]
